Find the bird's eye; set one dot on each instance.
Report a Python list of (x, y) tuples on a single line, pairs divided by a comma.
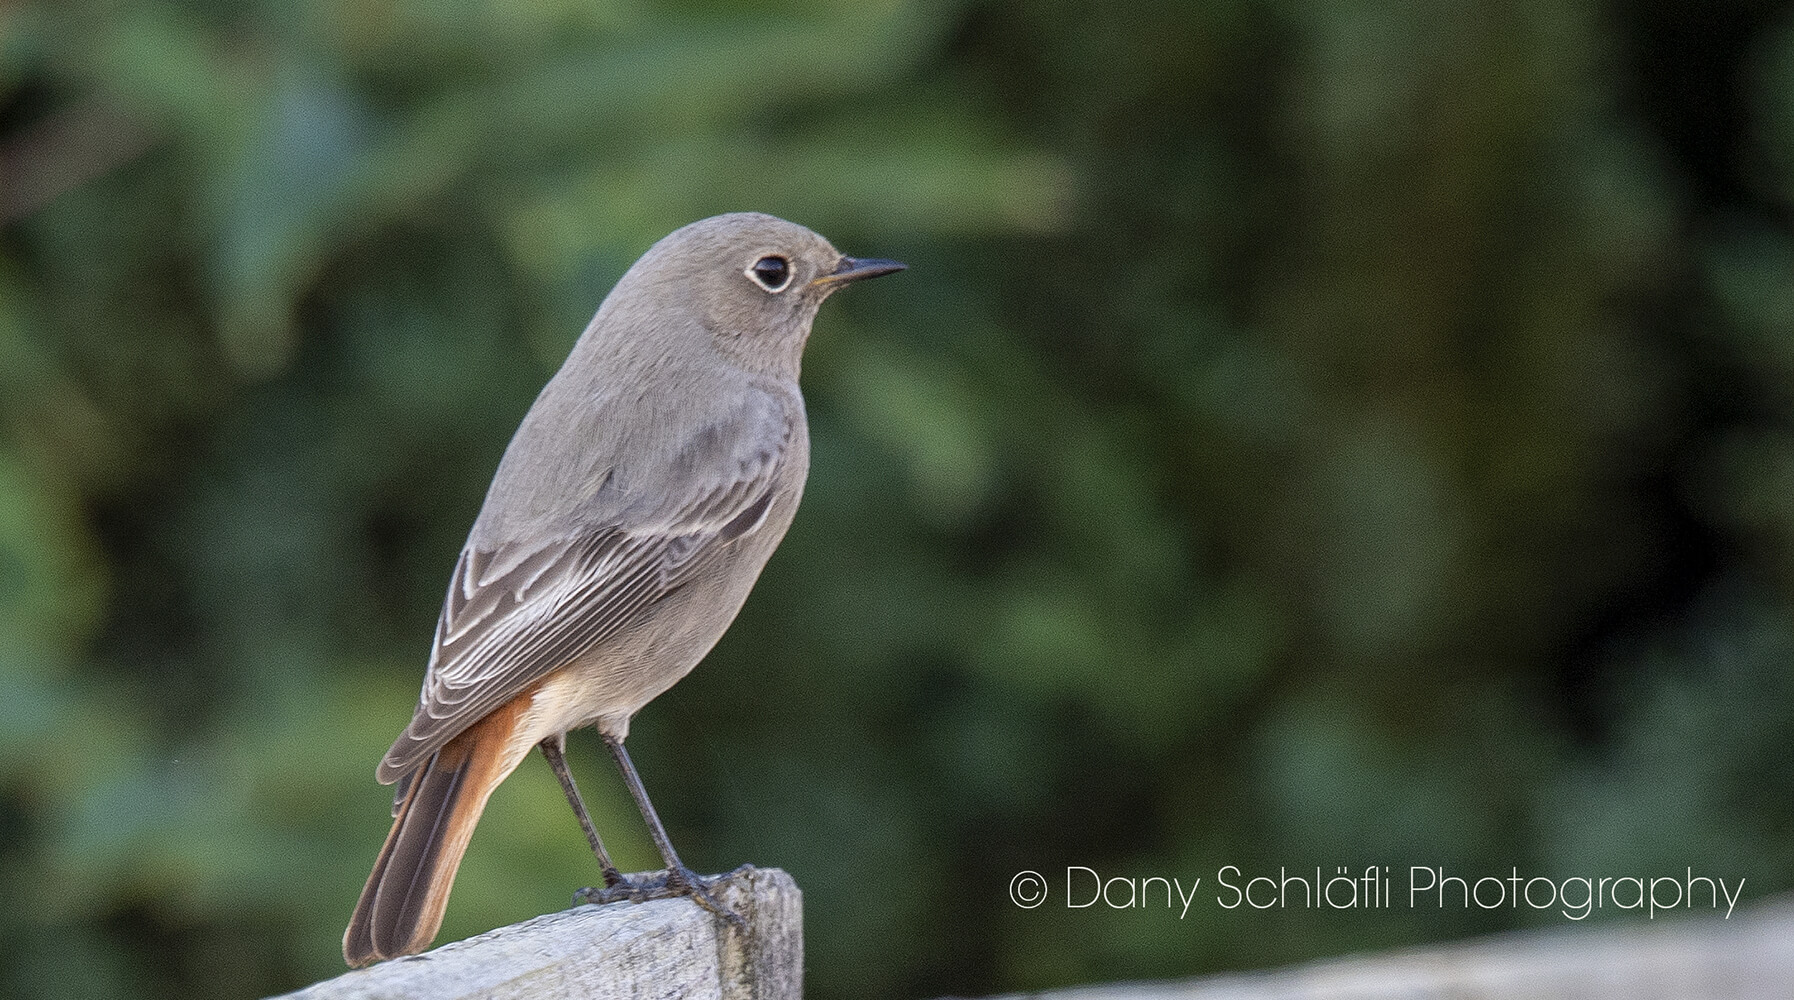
[(772, 272)]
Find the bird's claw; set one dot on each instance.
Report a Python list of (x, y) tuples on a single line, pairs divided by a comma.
[(664, 884), (623, 892), (684, 882)]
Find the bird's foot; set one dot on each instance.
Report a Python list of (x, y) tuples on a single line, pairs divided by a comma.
[(683, 881), (617, 888), (665, 884), (625, 892)]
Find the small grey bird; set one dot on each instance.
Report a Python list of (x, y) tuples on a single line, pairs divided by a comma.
[(632, 512)]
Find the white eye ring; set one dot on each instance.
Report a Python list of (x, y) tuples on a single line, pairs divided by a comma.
[(771, 272)]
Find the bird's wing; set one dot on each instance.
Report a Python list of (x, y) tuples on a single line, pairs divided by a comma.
[(518, 611)]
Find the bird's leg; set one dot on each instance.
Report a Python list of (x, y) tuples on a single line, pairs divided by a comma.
[(615, 885), (680, 880)]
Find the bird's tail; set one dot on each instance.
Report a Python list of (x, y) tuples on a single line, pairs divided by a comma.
[(433, 819)]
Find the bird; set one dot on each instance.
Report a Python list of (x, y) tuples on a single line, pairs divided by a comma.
[(632, 512)]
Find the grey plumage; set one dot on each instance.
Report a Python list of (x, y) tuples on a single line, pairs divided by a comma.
[(630, 516)]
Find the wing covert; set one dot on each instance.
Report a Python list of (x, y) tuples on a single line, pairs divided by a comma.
[(517, 611)]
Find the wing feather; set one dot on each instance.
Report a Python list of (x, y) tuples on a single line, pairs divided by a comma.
[(517, 611)]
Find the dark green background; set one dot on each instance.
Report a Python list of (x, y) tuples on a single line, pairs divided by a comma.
[(1322, 433)]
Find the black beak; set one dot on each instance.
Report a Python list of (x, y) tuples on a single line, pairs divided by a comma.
[(859, 268)]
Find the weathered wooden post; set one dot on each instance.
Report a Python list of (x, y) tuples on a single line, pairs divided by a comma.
[(664, 948), (1744, 956)]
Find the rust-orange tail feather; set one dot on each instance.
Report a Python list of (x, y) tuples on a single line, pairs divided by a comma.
[(439, 804)]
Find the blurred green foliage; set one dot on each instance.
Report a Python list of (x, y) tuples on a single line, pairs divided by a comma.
[(1310, 434)]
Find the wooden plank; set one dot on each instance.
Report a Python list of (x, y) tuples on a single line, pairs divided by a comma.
[(1748, 957), (664, 948)]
